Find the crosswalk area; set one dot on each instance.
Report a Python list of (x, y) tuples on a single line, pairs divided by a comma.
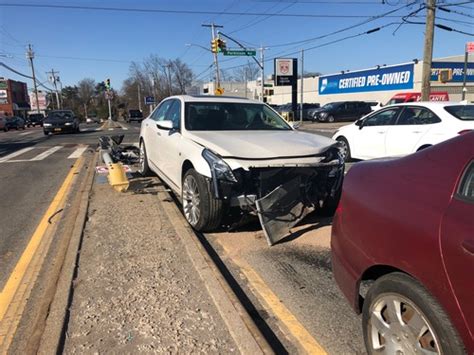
[(39, 153)]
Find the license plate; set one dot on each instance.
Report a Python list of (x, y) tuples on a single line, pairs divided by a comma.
[(57, 129)]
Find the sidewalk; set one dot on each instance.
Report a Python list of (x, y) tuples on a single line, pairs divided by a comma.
[(136, 288)]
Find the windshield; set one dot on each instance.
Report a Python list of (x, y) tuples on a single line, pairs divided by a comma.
[(226, 116), (330, 106), (60, 115), (462, 112)]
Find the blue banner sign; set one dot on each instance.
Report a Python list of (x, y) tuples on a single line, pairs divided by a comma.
[(149, 100), (456, 67), (398, 77)]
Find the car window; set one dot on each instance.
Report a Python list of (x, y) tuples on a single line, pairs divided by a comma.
[(160, 112), (383, 118), (174, 113), (230, 116), (417, 116), (462, 112), (466, 188), (351, 106)]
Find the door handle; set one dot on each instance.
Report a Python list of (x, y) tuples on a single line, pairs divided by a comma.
[(468, 246), (381, 132), (416, 132), (158, 134)]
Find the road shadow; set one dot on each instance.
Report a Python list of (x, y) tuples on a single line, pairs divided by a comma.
[(140, 185)]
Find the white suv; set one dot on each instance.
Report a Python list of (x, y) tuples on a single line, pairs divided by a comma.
[(228, 156)]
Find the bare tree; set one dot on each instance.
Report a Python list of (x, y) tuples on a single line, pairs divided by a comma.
[(246, 73), (85, 92), (182, 74)]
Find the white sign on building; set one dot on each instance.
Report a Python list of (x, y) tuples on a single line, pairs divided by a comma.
[(43, 102)]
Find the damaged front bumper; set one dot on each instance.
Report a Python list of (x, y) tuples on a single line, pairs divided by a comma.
[(282, 194)]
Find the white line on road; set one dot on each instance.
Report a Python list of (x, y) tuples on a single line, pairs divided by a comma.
[(25, 133), (77, 153), (15, 154), (46, 153), (111, 129)]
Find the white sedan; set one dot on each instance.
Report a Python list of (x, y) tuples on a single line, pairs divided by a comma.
[(402, 129), (229, 157)]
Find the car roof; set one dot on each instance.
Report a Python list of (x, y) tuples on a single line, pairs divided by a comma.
[(212, 98), (429, 104)]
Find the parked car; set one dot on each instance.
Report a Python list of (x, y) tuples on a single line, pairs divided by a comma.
[(92, 119), (134, 115), (405, 227), (59, 121), (341, 111), (35, 119), (223, 154), (416, 96), (402, 129), (3, 121), (14, 122)]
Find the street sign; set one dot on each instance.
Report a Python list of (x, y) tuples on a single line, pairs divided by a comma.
[(109, 95), (149, 100), (470, 47), (240, 52), (285, 70)]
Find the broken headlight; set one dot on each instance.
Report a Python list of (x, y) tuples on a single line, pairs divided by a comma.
[(219, 167)]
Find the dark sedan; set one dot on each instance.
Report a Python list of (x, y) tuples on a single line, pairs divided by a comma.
[(341, 111), (35, 119), (403, 249), (14, 123), (60, 121)]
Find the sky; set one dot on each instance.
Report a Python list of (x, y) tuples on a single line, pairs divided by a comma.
[(80, 43)]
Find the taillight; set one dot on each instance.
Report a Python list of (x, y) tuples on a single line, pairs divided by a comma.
[(464, 131)]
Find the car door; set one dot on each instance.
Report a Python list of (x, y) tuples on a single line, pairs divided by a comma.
[(152, 133), (413, 123), (457, 245), (169, 158), (369, 140)]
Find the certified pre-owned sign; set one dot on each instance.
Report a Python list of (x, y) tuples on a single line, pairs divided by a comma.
[(397, 77)]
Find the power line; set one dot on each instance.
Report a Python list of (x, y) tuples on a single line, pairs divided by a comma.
[(21, 74), (185, 12)]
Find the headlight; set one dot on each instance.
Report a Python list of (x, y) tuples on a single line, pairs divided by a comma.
[(219, 167), (68, 124), (323, 114), (47, 124)]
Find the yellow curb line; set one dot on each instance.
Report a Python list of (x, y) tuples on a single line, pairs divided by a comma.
[(11, 286)]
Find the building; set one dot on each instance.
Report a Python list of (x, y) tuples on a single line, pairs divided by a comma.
[(13, 98), (378, 84), (381, 83)]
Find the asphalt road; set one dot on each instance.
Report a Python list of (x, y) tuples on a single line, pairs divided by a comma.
[(32, 168)]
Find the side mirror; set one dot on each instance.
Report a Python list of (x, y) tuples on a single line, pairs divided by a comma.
[(359, 123), (166, 125)]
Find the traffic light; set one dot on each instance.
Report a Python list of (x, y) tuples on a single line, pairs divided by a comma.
[(107, 84), (221, 45), (445, 75), (214, 46)]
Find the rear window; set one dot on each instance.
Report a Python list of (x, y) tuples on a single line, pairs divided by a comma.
[(462, 112), (136, 113)]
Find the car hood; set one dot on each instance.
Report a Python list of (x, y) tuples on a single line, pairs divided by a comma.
[(262, 144)]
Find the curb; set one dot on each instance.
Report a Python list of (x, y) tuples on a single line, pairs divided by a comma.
[(56, 322), (243, 330)]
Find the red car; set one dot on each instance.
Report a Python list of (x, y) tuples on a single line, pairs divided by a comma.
[(407, 225)]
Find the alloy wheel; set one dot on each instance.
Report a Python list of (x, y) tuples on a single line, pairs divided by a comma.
[(191, 200), (398, 326), (141, 158)]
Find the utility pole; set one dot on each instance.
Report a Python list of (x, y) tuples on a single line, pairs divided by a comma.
[(213, 27), (464, 88), (30, 55), (262, 71), (428, 50), (139, 97), (53, 79), (302, 85)]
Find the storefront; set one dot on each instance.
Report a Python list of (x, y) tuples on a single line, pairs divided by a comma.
[(13, 98)]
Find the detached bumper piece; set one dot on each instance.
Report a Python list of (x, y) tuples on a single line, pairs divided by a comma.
[(287, 195)]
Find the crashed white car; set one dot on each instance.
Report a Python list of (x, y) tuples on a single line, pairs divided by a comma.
[(227, 158)]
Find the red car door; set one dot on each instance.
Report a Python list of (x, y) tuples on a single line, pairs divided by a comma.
[(457, 245)]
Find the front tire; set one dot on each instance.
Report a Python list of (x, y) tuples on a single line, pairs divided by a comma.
[(346, 149), (401, 316), (144, 168), (201, 210), (330, 119)]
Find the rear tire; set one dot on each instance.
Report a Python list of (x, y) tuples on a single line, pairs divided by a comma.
[(201, 210), (144, 168), (401, 304), (330, 119)]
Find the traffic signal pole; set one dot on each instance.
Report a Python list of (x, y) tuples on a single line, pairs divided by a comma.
[(213, 27)]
